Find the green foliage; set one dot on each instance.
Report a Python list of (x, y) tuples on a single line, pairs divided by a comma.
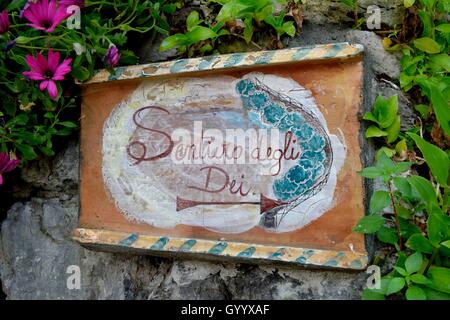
[(195, 34), (426, 62), (236, 19), (29, 119), (386, 119), (416, 221)]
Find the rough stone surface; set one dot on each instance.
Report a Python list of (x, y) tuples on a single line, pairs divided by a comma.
[(325, 12), (36, 252), (36, 249)]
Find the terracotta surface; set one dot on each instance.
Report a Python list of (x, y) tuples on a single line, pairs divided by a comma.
[(339, 102)]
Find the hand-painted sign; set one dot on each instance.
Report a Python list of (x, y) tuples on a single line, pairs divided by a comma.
[(255, 162)]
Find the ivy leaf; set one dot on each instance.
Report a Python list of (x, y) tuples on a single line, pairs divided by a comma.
[(379, 200), (413, 263), (395, 285), (369, 224), (427, 45), (419, 243), (436, 159), (415, 293)]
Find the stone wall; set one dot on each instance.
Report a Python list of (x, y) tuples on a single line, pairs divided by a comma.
[(35, 244)]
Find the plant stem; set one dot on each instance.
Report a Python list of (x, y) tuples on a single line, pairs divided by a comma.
[(433, 256), (397, 224)]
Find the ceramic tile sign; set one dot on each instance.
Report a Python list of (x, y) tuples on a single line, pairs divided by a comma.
[(247, 156)]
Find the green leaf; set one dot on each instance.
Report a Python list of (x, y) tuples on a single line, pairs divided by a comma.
[(80, 73), (27, 152), (424, 188), (427, 45), (289, 28), (192, 20), (413, 263), (435, 295), (393, 130), (441, 108), (387, 151), (441, 60), (174, 41), (369, 116), (438, 226), (385, 110), (408, 3), (199, 33), (379, 200), (420, 279), (407, 229), (402, 185), (415, 293), (446, 244), (395, 285), (443, 27), (401, 167), (401, 271), (436, 159), (440, 278), (387, 235), (371, 172), (375, 132), (68, 124), (368, 294), (369, 224), (419, 243)]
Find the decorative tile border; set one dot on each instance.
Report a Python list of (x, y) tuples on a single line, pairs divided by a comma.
[(300, 256), (234, 60)]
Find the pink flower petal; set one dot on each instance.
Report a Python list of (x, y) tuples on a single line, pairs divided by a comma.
[(34, 64), (52, 89), (43, 85), (63, 69), (42, 62), (11, 165), (53, 60), (1, 179), (33, 75)]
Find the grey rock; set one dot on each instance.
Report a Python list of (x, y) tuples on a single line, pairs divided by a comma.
[(35, 267), (383, 62), (326, 12), (57, 174), (149, 52)]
